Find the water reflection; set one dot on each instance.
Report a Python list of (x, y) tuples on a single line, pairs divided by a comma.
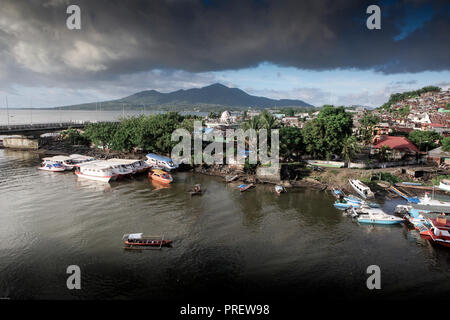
[(253, 243)]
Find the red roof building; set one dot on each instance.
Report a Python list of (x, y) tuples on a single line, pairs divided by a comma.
[(396, 143)]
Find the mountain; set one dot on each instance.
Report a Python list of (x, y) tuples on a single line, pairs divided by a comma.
[(215, 95)]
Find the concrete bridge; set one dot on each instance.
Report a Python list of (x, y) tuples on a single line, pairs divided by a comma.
[(39, 128)]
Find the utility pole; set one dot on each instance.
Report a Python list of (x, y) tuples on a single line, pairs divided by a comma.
[(7, 110), (31, 111), (123, 110)]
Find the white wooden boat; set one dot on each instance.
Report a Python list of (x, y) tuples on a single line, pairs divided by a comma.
[(157, 161), (445, 185), (79, 158), (52, 167), (97, 170), (65, 161), (363, 190), (376, 216)]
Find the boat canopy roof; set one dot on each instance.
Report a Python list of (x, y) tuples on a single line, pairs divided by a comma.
[(123, 161), (58, 158), (360, 185), (158, 157), (159, 171), (100, 164), (80, 157), (135, 236)]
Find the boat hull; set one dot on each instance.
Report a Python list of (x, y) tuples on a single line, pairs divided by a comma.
[(52, 169), (376, 221), (95, 178)]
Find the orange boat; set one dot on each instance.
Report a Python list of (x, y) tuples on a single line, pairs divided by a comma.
[(160, 175)]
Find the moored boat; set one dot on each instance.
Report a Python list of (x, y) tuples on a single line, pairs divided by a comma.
[(160, 176), (52, 167), (245, 187), (79, 158), (96, 170), (363, 190), (140, 240), (438, 231), (376, 216), (444, 185), (279, 189), (65, 161), (157, 161)]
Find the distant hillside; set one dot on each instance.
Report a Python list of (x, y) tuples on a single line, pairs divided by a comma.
[(215, 96)]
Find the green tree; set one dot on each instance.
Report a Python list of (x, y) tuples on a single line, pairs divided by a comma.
[(324, 135), (367, 123), (383, 153), (254, 123), (101, 134), (424, 140), (268, 121), (349, 148), (291, 143), (446, 144), (73, 136)]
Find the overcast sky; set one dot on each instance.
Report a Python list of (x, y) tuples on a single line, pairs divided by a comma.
[(317, 51)]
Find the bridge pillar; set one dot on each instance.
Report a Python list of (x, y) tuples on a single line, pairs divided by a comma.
[(24, 143)]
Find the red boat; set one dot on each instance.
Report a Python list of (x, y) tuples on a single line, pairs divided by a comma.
[(439, 232), (139, 240)]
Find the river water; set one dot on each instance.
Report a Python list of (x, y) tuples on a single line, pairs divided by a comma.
[(252, 244)]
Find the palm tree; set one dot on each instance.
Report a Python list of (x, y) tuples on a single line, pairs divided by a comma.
[(349, 148), (268, 121), (254, 123), (383, 153)]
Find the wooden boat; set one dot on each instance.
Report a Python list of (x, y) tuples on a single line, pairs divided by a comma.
[(444, 185), (194, 192), (64, 161), (157, 161), (245, 187), (279, 189), (363, 190), (383, 184), (139, 240), (437, 230), (96, 170), (231, 178), (376, 216), (52, 167), (160, 176)]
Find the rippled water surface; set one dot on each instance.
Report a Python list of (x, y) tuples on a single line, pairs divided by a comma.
[(225, 242)]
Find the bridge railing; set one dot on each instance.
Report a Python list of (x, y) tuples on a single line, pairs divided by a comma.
[(52, 125)]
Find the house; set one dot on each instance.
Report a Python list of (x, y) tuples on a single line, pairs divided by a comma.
[(291, 121), (438, 156), (399, 146)]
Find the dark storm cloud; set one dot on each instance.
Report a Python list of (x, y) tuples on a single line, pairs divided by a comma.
[(123, 37)]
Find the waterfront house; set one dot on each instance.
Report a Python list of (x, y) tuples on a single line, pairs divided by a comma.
[(399, 146), (438, 156)]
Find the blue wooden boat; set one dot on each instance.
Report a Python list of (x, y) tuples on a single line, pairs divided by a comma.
[(377, 216), (245, 187)]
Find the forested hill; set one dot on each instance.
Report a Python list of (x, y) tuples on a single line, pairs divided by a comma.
[(206, 98)]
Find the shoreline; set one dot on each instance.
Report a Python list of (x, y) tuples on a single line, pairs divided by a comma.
[(291, 176)]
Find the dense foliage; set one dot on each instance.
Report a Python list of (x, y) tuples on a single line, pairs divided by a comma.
[(150, 133), (291, 143), (446, 144), (74, 137), (424, 140), (367, 123), (324, 135)]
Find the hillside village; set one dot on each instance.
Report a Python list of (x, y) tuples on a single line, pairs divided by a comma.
[(391, 128)]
